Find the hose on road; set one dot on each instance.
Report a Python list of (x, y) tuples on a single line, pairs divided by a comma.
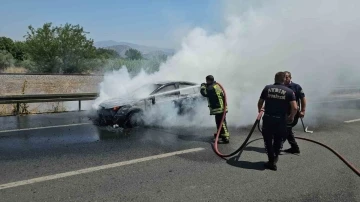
[(215, 145), (352, 167), (257, 123)]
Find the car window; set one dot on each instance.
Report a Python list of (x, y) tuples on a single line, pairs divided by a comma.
[(166, 89), (187, 89), (144, 90)]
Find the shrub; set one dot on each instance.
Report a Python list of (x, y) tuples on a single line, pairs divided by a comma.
[(6, 59)]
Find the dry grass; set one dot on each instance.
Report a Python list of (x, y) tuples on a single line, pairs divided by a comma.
[(33, 108), (15, 70)]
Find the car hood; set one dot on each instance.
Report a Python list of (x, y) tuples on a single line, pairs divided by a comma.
[(117, 102)]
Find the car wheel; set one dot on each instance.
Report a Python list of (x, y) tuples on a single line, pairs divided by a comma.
[(135, 119)]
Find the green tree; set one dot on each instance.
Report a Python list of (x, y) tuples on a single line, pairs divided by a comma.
[(15, 48), (74, 48), (6, 59), (19, 51), (6, 44), (104, 53), (133, 54), (42, 47), (62, 49)]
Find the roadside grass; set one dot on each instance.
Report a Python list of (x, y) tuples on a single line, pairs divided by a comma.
[(15, 70)]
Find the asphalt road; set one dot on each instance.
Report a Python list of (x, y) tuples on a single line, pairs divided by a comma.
[(46, 145)]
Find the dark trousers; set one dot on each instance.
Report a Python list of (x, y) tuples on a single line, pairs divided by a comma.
[(291, 138), (274, 133), (224, 130)]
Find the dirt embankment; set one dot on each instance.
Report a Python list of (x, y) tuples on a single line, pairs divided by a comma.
[(45, 84)]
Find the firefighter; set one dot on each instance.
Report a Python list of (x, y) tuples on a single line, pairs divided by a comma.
[(215, 96), (300, 99), (277, 98)]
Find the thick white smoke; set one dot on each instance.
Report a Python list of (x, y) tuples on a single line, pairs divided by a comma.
[(316, 40)]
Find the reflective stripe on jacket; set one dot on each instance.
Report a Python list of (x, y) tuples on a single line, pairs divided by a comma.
[(215, 98)]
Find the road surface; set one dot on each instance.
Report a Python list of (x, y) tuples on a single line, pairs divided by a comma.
[(61, 157)]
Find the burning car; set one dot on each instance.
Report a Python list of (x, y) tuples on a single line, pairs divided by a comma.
[(130, 112)]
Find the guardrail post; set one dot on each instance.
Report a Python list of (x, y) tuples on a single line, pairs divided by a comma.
[(79, 105), (17, 108)]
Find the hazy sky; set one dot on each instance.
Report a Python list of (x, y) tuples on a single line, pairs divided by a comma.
[(149, 22)]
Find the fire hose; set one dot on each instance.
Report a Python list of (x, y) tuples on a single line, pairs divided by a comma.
[(257, 123)]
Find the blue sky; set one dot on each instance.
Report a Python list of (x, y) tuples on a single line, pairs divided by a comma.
[(147, 22)]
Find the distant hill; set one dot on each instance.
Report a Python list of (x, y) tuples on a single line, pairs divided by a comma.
[(122, 47), (103, 44)]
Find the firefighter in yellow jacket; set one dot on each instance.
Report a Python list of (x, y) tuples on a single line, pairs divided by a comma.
[(215, 96)]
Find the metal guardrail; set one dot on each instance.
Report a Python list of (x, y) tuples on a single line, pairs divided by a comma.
[(37, 98), (46, 74)]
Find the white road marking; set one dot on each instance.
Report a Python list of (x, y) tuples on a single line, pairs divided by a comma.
[(351, 121), (93, 169), (45, 127)]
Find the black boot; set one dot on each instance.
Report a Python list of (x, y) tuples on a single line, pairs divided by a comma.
[(222, 139), (270, 165), (225, 140), (293, 150)]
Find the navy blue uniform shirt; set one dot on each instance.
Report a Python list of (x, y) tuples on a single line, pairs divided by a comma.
[(277, 99), (299, 93)]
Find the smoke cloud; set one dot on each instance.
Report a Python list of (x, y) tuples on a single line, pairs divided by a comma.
[(316, 40)]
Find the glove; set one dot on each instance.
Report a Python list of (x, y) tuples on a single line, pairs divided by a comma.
[(203, 84)]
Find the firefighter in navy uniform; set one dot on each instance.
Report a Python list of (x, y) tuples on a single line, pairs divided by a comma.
[(277, 98), (214, 94), (300, 99)]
